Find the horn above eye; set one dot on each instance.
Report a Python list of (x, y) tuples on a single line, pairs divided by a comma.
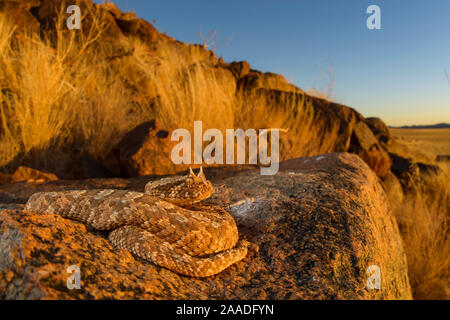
[(201, 175), (192, 174)]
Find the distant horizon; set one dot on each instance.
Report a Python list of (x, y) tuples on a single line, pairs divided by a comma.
[(440, 125), (398, 73)]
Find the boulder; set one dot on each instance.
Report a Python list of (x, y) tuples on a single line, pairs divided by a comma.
[(27, 174), (138, 28), (239, 69), (379, 129), (407, 172), (144, 150), (429, 170), (316, 227), (48, 10), (268, 80), (111, 8), (366, 145)]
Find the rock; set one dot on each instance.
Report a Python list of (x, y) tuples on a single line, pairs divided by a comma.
[(138, 28), (48, 10), (69, 164), (377, 158), (87, 167), (257, 80), (366, 145), (427, 170), (6, 197), (415, 177), (407, 172), (323, 126), (239, 69), (111, 8), (27, 174), (393, 188), (315, 228), (129, 16), (6, 178), (379, 129), (20, 15), (24, 4), (364, 136), (442, 158), (145, 150), (111, 29)]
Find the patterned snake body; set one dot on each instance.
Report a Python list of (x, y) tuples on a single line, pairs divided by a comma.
[(164, 225)]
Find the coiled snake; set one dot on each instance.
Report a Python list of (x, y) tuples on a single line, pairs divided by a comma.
[(165, 225)]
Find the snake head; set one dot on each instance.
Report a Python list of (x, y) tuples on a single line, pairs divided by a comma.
[(181, 190)]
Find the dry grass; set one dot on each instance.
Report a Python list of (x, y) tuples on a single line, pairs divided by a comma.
[(424, 216), (56, 95), (78, 91), (67, 93), (423, 144), (424, 223)]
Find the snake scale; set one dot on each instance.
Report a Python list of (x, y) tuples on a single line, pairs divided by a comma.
[(165, 225)]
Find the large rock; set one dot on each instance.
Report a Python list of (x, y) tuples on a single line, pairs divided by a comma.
[(379, 129), (239, 68), (144, 150), (407, 171), (366, 145), (316, 227)]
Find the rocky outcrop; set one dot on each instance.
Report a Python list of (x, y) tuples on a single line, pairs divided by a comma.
[(144, 150), (254, 79), (239, 69), (414, 176), (315, 228), (366, 145), (27, 174), (380, 130), (322, 126)]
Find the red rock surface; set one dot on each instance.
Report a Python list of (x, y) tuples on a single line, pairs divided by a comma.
[(315, 227)]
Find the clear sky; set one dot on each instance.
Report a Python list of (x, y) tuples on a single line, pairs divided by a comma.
[(397, 73)]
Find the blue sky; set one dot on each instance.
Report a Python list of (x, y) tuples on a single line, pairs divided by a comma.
[(396, 73)]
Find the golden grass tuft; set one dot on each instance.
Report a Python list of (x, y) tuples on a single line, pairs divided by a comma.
[(424, 224)]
